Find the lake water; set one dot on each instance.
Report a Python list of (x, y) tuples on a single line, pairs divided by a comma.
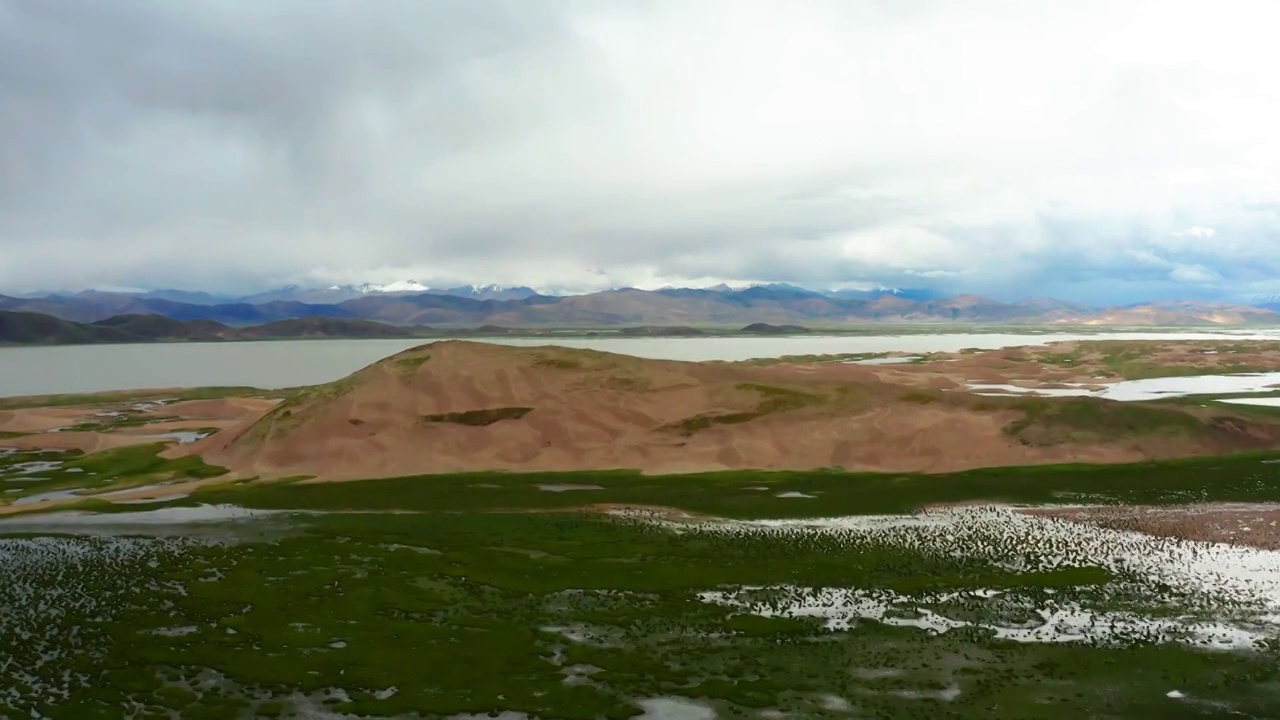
[(276, 364)]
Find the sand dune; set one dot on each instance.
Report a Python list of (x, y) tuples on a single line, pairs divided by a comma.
[(461, 406)]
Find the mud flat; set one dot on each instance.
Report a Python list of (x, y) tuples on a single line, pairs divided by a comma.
[(1245, 524)]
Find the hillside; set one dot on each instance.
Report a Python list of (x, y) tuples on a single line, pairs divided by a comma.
[(21, 328), (673, 307), (455, 406)]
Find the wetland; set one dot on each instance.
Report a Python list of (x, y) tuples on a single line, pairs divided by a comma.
[(147, 579)]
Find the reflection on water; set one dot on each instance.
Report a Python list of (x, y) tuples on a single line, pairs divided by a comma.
[(290, 363)]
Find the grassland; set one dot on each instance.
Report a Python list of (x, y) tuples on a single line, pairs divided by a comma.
[(1143, 359), (484, 593), (34, 474), (473, 595)]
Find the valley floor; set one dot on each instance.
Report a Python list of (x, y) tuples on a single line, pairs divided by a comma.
[(992, 594), (143, 580)]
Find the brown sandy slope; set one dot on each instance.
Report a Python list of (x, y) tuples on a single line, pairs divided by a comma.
[(461, 406), (40, 426)]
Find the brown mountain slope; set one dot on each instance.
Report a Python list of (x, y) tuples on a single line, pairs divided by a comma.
[(462, 406)]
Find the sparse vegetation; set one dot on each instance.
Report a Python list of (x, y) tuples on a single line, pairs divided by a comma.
[(409, 363), (559, 363), (479, 418), (775, 400), (920, 397), (1091, 420)]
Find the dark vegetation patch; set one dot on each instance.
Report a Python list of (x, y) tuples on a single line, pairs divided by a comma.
[(409, 363), (774, 400), (479, 418), (767, 329), (559, 363), (1236, 478), (661, 331), (25, 328), (1080, 420)]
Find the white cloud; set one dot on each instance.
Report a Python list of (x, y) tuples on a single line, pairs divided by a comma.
[(1193, 274), (618, 143), (1196, 231)]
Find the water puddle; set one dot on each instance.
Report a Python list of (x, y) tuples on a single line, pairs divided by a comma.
[(1228, 596), (35, 466), (567, 487), (185, 437), (1004, 390), (148, 501), (177, 519), (1263, 402), (1148, 389), (674, 708), (46, 496), (1156, 388), (888, 360)]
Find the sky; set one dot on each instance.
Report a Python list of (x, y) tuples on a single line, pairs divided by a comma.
[(1106, 152)]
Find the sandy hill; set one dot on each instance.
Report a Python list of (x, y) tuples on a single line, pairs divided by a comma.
[(461, 406)]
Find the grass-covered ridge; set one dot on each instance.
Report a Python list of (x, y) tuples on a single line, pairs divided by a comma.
[(1084, 420)]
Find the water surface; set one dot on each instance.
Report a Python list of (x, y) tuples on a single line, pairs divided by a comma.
[(290, 363)]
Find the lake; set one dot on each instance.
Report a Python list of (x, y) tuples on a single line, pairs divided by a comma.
[(290, 363)]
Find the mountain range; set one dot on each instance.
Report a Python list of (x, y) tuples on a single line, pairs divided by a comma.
[(706, 307), (300, 293)]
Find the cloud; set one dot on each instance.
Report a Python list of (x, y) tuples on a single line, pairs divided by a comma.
[(229, 145), (1193, 274), (1196, 231)]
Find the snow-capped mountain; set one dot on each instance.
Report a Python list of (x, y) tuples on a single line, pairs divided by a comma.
[(399, 286), (341, 293)]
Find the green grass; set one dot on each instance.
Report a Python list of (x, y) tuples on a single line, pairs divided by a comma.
[(441, 588), (441, 608), (1239, 478), (411, 361), (1074, 420), (98, 472)]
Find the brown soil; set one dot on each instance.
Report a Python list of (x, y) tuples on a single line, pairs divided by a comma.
[(38, 422), (461, 406), (41, 419), (1253, 525)]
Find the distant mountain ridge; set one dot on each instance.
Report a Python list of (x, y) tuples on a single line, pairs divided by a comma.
[(24, 328), (773, 304)]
